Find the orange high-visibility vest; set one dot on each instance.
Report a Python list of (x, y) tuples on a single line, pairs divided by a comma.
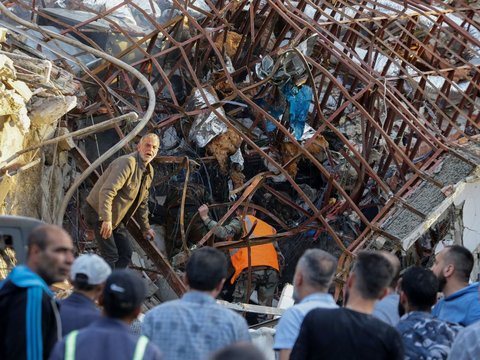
[(261, 255)]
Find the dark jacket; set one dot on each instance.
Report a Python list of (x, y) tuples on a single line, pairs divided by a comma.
[(77, 311), (106, 339), (29, 319), (114, 196)]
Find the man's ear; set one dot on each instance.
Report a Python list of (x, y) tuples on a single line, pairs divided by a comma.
[(448, 270), (403, 298), (33, 252)]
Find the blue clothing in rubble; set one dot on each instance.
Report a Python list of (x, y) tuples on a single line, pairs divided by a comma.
[(299, 99)]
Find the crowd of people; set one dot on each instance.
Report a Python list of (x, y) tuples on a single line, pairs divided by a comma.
[(411, 325), (386, 313)]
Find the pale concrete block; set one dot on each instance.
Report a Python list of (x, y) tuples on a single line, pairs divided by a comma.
[(21, 88), (48, 110), (66, 144)]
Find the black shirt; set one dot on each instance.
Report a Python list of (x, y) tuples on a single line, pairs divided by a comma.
[(346, 334), (13, 323)]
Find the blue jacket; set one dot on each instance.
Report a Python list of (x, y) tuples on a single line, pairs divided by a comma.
[(28, 317), (106, 338), (461, 307), (77, 311)]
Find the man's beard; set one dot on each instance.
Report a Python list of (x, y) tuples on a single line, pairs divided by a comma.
[(442, 281), (401, 309)]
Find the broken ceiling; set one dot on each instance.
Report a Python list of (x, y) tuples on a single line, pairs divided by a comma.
[(345, 122)]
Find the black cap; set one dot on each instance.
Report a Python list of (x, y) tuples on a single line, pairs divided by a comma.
[(124, 291)]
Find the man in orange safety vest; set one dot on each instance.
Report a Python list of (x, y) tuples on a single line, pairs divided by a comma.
[(264, 259)]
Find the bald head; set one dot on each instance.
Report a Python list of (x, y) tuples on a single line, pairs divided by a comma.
[(50, 253)]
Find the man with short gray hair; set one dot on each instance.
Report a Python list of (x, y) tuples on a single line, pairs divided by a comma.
[(121, 193), (312, 279)]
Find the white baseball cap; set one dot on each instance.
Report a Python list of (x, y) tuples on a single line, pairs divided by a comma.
[(93, 267)]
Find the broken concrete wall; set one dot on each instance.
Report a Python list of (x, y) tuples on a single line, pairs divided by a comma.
[(31, 105), (470, 198)]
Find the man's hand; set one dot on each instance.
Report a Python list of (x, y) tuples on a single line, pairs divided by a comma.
[(203, 212), (106, 229), (149, 234)]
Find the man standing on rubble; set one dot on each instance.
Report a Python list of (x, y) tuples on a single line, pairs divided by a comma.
[(264, 259), (29, 318), (120, 194)]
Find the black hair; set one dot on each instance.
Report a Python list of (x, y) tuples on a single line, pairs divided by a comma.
[(40, 236), (462, 260), (239, 351), (81, 283), (420, 286), (206, 268), (373, 274)]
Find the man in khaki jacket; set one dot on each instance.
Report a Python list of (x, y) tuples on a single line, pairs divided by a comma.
[(120, 194)]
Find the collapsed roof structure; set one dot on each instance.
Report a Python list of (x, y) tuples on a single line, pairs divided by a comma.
[(347, 123)]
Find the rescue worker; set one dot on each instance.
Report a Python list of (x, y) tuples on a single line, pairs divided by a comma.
[(265, 265), (110, 336), (120, 194)]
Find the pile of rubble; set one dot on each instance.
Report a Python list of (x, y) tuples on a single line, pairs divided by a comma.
[(345, 124)]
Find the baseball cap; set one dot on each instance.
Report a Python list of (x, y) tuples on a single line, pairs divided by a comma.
[(124, 291), (91, 266)]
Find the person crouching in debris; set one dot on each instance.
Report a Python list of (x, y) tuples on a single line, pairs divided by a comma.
[(264, 258), (120, 194)]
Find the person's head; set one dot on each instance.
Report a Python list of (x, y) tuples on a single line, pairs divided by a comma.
[(418, 290), (89, 273), (395, 262), (453, 263), (242, 209), (123, 295), (371, 275), (239, 351), (314, 273), (50, 253), (148, 147), (206, 270)]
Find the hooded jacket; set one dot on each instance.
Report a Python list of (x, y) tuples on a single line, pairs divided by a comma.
[(29, 319), (461, 307)]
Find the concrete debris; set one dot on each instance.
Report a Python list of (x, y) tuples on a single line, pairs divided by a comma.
[(346, 126)]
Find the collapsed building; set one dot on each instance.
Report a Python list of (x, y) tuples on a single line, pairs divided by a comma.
[(347, 125)]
